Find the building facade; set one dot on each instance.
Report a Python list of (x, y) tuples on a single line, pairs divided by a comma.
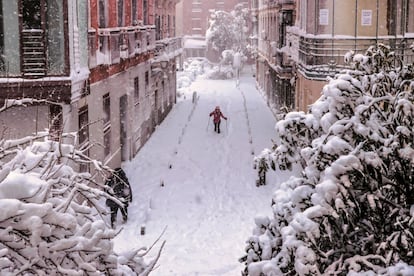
[(43, 55), (105, 67), (309, 45), (131, 90), (273, 71), (193, 21)]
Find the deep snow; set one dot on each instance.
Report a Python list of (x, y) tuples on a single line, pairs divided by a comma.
[(201, 185)]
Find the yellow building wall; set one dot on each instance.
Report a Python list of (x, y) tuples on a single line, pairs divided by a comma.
[(371, 30), (343, 14), (307, 92), (345, 17)]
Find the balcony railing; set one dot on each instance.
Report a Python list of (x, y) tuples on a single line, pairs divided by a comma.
[(319, 57), (111, 45), (169, 46)]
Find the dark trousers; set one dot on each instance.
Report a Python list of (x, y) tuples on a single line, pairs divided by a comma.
[(114, 212), (217, 127)]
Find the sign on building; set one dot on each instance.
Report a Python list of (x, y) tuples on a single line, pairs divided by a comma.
[(366, 17), (323, 17)]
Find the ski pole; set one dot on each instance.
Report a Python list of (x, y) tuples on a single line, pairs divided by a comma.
[(208, 123)]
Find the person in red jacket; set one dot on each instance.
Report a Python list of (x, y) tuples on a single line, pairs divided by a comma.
[(217, 115)]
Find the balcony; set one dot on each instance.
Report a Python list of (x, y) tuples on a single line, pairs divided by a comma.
[(168, 46), (321, 57), (111, 45)]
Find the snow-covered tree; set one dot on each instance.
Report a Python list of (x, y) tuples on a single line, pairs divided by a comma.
[(351, 210), (229, 30), (51, 219)]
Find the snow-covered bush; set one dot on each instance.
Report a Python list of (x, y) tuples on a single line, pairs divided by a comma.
[(222, 72), (51, 220), (351, 211)]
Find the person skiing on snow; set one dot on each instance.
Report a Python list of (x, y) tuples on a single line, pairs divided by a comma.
[(217, 115)]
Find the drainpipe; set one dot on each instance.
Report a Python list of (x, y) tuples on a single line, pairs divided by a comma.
[(356, 25), (333, 30), (376, 25)]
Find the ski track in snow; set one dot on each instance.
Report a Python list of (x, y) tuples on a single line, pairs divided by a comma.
[(208, 200)]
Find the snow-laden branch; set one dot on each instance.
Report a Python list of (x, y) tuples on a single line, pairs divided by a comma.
[(52, 218), (351, 209)]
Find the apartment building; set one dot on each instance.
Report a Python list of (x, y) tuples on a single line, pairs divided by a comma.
[(312, 38), (193, 21), (43, 55), (132, 80), (273, 72), (102, 68)]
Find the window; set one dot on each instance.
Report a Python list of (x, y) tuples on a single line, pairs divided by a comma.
[(409, 14), (31, 14), (107, 141), (107, 124), (120, 13), (286, 19), (106, 109), (146, 80), (83, 126), (55, 43), (158, 31), (136, 97), (55, 121), (145, 11), (136, 90), (102, 14), (134, 11)]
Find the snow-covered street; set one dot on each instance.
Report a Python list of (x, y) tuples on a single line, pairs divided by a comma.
[(200, 185)]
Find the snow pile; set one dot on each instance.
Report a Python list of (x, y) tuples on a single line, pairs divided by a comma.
[(351, 210), (192, 68), (51, 217)]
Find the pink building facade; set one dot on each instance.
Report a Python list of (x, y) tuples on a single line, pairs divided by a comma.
[(104, 69)]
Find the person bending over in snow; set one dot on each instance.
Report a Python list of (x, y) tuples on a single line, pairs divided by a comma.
[(217, 115), (118, 186)]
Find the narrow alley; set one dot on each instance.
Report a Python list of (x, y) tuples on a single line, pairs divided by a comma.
[(199, 185)]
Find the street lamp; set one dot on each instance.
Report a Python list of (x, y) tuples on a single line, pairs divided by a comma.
[(164, 64)]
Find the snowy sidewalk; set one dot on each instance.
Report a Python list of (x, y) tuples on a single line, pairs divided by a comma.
[(199, 184)]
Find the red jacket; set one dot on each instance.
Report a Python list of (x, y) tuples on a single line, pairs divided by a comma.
[(216, 115)]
